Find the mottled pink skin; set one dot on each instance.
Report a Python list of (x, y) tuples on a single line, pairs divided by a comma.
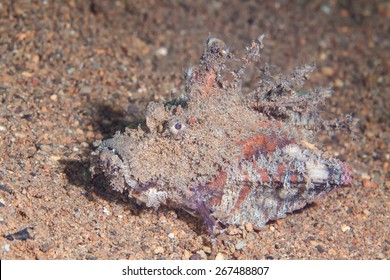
[(213, 193)]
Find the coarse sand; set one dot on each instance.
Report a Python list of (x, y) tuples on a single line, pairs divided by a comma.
[(72, 72)]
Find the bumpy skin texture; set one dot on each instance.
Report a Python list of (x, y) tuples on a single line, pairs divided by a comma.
[(229, 157)]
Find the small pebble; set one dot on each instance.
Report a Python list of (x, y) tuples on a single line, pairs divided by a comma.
[(332, 252), (320, 249), (323, 56), (105, 211), (326, 9), (240, 244), (344, 13), (327, 71), (54, 97), (220, 257), (202, 254), (249, 227), (207, 249), (339, 83), (2, 128), (46, 246), (70, 70), (162, 219), (381, 256), (195, 257), (84, 144), (6, 248), (233, 231), (187, 255), (85, 90), (352, 248), (161, 52), (345, 228), (91, 257), (159, 250), (366, 212), (171, 235), (45, 148), (369, 184)]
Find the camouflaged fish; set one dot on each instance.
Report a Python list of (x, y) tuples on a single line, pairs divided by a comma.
[(227, 156)]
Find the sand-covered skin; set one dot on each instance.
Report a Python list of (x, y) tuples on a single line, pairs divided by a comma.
[(227, 156), (75, 72)]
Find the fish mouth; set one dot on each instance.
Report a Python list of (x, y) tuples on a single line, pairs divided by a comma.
[(107, 160), (105, 146)]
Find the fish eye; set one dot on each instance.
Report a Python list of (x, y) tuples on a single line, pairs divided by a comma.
[(177, 126)]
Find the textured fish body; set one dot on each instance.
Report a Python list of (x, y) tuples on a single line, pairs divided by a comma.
[(228, 157), (269, 182)]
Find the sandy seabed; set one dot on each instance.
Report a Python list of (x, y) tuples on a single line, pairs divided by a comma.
[(72, 72)]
